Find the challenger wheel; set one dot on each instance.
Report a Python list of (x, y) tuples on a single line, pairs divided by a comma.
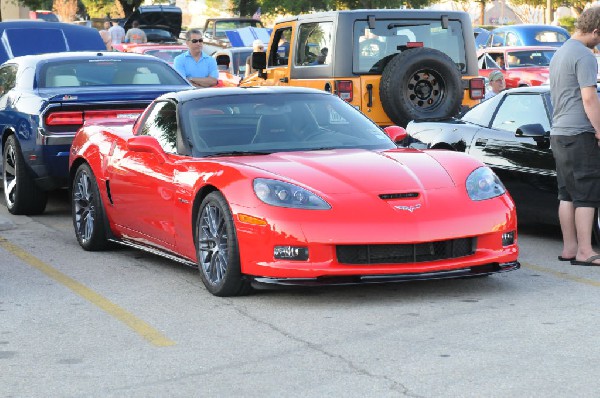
[(20, 192), (421, 83), (87, 210), (217, 248)]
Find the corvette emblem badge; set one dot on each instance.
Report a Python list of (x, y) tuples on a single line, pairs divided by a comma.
[(408, 208)]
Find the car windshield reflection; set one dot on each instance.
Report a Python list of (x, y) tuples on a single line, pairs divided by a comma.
[(107, 72), (267, 123)]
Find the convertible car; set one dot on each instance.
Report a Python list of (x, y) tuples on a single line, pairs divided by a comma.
[(286, 186), (45, 98), (511, 134)]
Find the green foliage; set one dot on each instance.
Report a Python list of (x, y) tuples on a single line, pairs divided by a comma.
[(568, 23), (99, 8), (307, 6), (37, 4)]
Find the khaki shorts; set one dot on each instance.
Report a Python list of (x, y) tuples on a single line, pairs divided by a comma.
[(577, 168)]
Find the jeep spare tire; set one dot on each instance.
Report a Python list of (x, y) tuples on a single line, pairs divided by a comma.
[(421, 83)]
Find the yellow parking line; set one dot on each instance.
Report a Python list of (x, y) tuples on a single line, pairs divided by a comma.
[(139, 326), (562, 275)]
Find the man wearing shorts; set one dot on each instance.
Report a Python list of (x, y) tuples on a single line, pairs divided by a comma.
[(575, 138)]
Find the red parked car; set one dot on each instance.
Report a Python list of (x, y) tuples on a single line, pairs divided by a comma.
[(166, 52), (521, 66), (286, 186)]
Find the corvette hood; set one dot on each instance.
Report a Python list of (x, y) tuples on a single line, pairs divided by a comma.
[(348, 171)]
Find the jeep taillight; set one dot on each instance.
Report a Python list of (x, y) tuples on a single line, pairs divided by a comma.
[(477, 88), (65, 118), (343, 89)]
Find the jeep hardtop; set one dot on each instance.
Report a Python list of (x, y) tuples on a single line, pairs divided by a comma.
[(393, 65)]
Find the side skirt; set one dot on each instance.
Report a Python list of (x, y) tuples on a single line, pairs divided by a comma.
[(157, 251)]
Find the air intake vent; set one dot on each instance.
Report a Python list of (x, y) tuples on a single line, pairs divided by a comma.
[(410, 253), (406, 195)]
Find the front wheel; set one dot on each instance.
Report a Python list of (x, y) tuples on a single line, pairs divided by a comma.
[(20, 192), (217, 248), (87, 210)]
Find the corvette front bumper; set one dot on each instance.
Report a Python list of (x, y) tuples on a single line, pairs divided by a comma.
[(480, 270)]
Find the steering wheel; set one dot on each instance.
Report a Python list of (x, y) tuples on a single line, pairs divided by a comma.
[(315, 133)]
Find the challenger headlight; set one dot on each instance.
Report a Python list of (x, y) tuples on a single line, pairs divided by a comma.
[(483, 184), (283, 194)]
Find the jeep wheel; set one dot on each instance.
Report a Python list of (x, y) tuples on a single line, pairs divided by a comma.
[(421, 83)]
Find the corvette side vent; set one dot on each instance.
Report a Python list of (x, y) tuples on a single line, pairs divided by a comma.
[(406, 195)]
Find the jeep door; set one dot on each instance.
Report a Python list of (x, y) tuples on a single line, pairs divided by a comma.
[(313, 55), (278, 57)]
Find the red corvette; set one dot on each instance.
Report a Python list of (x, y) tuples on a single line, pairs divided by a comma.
[(286, 186)]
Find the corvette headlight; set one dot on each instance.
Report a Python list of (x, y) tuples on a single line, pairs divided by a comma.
[(283, 194), (483, 184)]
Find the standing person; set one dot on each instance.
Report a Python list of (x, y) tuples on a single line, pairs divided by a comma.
[(135, 34), (117, 33), (284, 46), (257, 46), (199, 68), (500, 61), (497, 84), (575, 136), (105, 34)]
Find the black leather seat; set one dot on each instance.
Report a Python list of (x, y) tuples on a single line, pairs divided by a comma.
[(274, 128)]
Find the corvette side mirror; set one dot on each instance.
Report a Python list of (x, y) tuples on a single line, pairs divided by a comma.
[(145, 143)]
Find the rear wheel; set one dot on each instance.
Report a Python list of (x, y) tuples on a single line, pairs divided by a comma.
[(20, 192), (217, 248), (87, 210)]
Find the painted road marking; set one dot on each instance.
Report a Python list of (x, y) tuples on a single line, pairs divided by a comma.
[(137, 325), (563, 275)]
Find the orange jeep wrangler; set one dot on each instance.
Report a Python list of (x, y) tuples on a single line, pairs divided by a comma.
[(393, 65)]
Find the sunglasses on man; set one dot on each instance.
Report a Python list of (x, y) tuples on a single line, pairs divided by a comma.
[(196, 40)]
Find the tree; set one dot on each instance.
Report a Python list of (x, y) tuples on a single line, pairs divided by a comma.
[(306, 6), (246, 8), (36, 4), (129, 5), (65, 9), (103, 8)]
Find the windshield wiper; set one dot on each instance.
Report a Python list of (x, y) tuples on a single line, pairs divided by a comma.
[(237, 153)]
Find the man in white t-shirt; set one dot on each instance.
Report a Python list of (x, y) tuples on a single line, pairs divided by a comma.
[(117, 33)]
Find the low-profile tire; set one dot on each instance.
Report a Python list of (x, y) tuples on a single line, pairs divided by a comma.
[(21, 194), (421, 83), (87, 210), (217, 248)]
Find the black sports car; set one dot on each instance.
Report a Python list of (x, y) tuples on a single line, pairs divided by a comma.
[(510, 133)]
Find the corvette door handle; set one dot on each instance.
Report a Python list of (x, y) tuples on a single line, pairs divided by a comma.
[(480, 142), (284, 79)]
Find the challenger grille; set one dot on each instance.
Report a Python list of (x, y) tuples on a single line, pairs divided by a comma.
[(407, 253)]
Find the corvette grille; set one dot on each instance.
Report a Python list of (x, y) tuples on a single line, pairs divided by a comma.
[(408, 253)]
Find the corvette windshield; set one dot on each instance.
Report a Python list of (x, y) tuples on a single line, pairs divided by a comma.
[(277, 123)]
